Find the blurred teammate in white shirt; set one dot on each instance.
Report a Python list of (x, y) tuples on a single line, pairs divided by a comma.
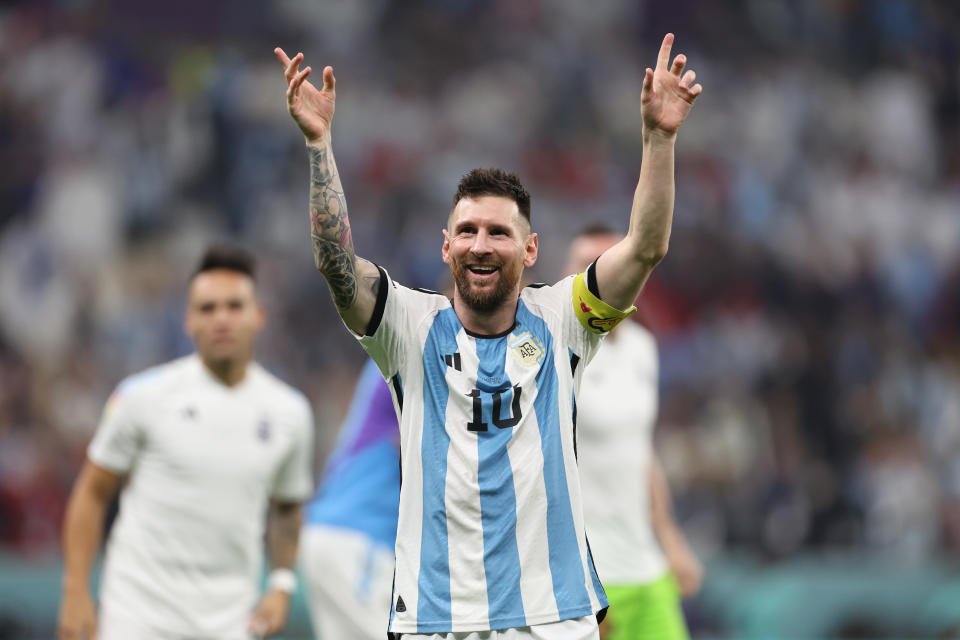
[(202, 447), (641, 554)]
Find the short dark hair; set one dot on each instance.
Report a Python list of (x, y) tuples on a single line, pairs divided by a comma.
[(597, 229), (494, 182), (229, 257)]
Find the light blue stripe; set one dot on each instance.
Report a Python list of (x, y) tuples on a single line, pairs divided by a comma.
[(433, 582), (566, 565), (597, 585), (498, 501)]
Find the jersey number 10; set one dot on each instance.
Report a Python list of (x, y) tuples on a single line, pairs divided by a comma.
[(477, 424)]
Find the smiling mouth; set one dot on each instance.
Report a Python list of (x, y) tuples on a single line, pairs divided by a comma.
[(483, 270)]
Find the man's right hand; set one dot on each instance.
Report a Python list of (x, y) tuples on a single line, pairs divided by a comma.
[(312, 109), (78, 616)]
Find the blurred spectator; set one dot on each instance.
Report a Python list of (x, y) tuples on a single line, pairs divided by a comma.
[(808, 312)]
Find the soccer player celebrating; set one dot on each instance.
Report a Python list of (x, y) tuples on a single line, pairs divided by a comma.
[(490, 535), (200, 445), (640, 551)]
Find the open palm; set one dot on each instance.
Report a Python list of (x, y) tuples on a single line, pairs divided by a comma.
[(311, 108), (667, 94)]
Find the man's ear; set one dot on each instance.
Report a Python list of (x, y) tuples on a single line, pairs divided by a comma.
[(261, 317), (531, 250), (445, 248)]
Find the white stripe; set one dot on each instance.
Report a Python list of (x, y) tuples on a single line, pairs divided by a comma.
[(410, 524), (525, 451), (565, 384), (468, 581)]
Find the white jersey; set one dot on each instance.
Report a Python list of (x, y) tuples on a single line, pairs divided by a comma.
[(616, 412), (490, 532), (203, 460)]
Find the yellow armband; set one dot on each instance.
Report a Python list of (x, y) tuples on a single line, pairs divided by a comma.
[(595, 314)]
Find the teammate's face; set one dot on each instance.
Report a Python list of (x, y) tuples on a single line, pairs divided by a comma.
[(586, 249), (223, 316), (487, 243)]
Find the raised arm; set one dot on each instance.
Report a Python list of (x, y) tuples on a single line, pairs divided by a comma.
[(353, 281), (666, 99)]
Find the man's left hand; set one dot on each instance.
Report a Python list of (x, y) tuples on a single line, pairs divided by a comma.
[(668, 93), (270, 616)]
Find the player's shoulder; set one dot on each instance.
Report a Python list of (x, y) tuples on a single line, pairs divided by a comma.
[(417, 304), (422, 296), (542, 293), (638, 335), (155, 379), (278, 392), (636, 343)]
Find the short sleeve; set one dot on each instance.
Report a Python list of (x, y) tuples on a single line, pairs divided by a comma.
[(119, 437), (294, 480), (396, 316)]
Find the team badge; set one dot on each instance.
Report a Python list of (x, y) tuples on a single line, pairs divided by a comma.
[(263, 429), (527, 348)]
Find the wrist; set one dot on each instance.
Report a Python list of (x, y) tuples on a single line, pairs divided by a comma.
[(283, 580), (74, 587), (658, 136), (319, 142)]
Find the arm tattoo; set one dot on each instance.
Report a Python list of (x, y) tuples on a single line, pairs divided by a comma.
[(330, 228)]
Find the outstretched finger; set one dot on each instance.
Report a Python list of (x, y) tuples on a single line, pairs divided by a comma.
[(695, 90), (296, 82), (291, 69), (647, 81), (282, 56), (663, 59), (678, 64), (688, 78), (329, 82)]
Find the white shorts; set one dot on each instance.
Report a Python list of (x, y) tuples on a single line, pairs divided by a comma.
[(584, 628), (349, 583)]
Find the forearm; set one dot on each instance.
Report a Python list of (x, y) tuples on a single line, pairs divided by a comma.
[(624, 268), (82, 532), (652, 213), (353, 281), (283, 534), (333, 249), (665, 527)]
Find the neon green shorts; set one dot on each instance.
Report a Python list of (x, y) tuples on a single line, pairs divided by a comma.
[(646, 611)]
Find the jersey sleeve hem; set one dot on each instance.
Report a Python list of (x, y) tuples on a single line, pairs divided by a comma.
[(380, 305)]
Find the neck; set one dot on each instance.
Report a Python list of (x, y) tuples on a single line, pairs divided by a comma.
[(490, 323), (229, 372)]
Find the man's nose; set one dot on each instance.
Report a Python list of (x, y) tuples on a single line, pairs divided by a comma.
[(481, 244)]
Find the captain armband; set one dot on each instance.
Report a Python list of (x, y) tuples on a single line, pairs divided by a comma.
[(595, 314)]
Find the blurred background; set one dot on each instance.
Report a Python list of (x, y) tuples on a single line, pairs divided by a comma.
[(808, 313)]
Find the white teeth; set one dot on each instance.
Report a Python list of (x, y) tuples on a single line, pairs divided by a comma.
[(483, 269)]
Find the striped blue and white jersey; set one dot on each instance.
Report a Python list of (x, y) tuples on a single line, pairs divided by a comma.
[(490, 532)]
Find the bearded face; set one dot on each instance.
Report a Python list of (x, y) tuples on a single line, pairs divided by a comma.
[(485, 285), (487, 244)]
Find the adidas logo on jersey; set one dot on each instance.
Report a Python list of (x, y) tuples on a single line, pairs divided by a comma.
[(453, 360)]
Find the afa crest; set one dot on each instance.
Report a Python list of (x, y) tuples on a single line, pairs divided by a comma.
[(527, 348)]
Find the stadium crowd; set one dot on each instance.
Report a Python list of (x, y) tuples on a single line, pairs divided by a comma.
[(808, 313)]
